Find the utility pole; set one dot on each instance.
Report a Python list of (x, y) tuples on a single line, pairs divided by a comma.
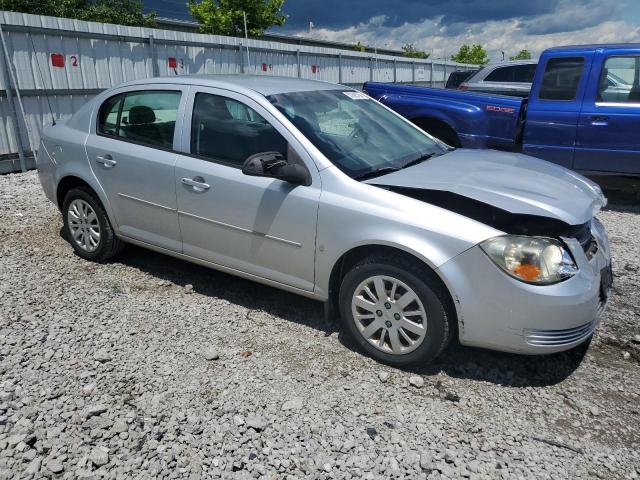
[(246, 34)]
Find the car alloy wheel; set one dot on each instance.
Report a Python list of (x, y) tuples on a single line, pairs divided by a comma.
[(83, 225), (389, 314)]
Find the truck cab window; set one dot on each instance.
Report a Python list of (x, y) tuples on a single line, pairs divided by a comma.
[(561, 78)]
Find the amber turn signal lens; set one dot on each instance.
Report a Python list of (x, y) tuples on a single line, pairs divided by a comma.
[(527, 272)]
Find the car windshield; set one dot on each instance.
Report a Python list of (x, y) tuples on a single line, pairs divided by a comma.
[(358, 135)]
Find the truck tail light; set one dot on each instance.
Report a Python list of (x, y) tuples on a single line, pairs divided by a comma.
[(463, 86)]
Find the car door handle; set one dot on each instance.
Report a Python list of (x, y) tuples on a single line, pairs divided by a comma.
[(106, 160), (197, 183), (599, 120)]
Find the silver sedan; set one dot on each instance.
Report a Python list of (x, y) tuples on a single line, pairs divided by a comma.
[(319, 190)]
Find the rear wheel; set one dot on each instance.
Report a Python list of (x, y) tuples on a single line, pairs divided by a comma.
[(87, 226), (440, 130), (394, 311)]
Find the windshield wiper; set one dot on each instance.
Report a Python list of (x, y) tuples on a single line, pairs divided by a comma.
[(418, 160), (384, 170), (376, 173)]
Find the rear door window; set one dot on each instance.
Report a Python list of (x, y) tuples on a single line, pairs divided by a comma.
[(561, 78), (147, 117), (524, 73), (501, 74)]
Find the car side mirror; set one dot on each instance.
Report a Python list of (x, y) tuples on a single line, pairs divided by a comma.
[(274, 165)]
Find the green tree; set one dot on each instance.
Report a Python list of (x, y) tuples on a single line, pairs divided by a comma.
[(122, 12), (522, 55), (225, 17), (472, 54), (358, 47), (409, 50)]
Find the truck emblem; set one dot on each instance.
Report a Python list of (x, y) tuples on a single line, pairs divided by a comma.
[(493, 108)]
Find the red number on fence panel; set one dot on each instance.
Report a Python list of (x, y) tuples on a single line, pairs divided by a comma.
[(264, 67), (74, 61)]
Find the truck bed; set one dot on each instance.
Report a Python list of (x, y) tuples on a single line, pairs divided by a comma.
[(478, 120)]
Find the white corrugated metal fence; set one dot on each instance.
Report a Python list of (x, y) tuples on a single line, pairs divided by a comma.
[(64, 62)]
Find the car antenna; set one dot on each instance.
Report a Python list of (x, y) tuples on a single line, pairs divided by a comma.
[(35, 56)]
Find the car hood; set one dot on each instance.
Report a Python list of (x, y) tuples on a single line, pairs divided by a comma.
[(513, 182)]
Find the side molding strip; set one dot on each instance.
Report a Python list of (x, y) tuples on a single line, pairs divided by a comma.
[(241, 229), (146, 202)]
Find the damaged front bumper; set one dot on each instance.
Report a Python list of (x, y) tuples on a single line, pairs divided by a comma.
[(499, 312)]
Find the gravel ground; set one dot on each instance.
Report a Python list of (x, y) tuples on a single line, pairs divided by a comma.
[(149, 367)]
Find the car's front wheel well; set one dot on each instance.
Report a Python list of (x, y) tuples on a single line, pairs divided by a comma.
[(65, 185), (356, 255), (439, 129)]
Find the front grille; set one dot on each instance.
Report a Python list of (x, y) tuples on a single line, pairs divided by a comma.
[(559, 338)]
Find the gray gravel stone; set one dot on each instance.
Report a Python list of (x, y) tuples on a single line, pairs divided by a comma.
[(103, 356), (306, 399), (293, 404), (99, 456), (238, 420), (211, 354), (256, 422), (416, 381), (94, 410), (34, 466), (55, 466), (120, 426)]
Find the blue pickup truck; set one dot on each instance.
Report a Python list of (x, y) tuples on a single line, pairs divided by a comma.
[(583, 111)]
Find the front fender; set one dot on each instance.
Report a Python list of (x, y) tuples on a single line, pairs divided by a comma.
[(354, 214)]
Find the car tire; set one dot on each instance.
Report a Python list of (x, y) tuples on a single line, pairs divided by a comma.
[(87, 227), (431, 299)]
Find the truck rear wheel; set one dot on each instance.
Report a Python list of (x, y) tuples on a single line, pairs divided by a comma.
[(440, 130)]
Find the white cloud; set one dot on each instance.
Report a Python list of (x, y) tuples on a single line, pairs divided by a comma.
[(571, 24)]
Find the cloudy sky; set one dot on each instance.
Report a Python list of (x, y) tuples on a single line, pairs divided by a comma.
[(441, 26)]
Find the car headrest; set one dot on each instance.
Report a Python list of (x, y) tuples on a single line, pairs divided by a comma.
[(213, 107), (141, 114)]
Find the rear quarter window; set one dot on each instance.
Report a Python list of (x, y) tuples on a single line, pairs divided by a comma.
[(108, 116)]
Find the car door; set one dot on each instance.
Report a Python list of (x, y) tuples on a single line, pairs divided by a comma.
[(609, 126), (131, 153), (554, 108), (256, 225)]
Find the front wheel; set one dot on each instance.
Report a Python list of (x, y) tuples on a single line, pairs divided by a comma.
[(395, 312)]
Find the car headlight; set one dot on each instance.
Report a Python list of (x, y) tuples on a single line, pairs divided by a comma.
[(536, 260)]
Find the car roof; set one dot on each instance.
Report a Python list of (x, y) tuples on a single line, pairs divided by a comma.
[(262, 84), (507, 63)]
